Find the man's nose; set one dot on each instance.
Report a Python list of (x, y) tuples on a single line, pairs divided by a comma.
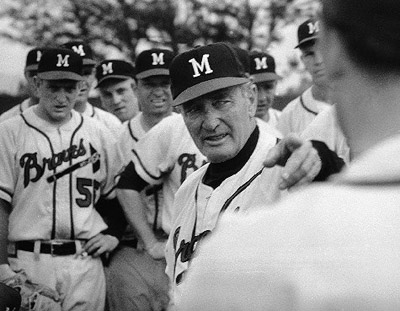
[(116, 98), (61, 95), (210, 118)]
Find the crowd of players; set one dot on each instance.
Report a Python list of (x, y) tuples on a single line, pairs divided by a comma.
[(174, 196)]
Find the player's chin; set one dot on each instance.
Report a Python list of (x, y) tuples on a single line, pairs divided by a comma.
[(60, 115), (218, 154), (261, 112)]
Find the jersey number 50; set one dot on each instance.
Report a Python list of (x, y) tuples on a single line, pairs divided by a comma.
[(87, 188)]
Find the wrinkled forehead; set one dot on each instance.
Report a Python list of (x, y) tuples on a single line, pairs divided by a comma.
[(222, 94)]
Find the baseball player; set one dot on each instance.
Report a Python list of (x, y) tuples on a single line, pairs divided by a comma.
[(115, 81), (325, 128), (262, 71), (56, 164), (218, 104), (82, 104), (301, 111), (340, 252), (136, 280), (31, 65)]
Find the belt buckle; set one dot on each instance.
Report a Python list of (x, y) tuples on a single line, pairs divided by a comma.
[(52, 243)]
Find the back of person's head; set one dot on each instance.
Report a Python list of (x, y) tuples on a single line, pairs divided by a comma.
[(369, 29)]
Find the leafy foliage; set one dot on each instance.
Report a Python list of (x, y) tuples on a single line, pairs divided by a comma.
[(123, 23)]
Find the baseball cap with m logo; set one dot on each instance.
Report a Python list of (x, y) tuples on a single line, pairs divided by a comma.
[(205, 69), (116, 69), (307, 31), (60, 64), (153, 62), (83, 50)]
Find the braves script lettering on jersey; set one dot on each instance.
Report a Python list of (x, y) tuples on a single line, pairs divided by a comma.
[(308, 253), (174, 159), (200, 205), (53, 176)]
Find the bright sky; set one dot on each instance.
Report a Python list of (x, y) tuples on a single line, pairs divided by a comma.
[(12, 62)]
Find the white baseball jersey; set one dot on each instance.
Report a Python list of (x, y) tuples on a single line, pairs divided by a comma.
[(16, 110), (269, 128), (299, 113), (200, 206), (330, 246), (132, 132), (170, 159), (53, 176), (107, 118), (325, 128), (272, 117)]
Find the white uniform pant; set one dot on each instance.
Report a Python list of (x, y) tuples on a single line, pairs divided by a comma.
[(79, 280)]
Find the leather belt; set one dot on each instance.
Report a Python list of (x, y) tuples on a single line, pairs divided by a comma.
[(55, 248)]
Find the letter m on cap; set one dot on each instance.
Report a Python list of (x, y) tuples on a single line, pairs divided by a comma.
[(79, 50), (261, 63), (313, 27), (203, 67), (107, 68), (62, 61), (38, 56), (158, 59)]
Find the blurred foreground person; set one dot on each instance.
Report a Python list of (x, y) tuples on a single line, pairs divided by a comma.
[(332, 246)]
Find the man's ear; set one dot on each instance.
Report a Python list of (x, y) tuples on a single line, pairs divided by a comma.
[(253, 98), (80, 85), (134, 85)]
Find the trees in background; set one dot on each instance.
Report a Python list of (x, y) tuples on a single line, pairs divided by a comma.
[(123, 24), (122, 28)]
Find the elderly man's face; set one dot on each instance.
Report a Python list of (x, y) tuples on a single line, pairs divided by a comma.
[(221, 122)]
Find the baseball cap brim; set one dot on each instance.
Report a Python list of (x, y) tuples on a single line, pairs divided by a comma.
[(153, 72), (59, 75), (31, 67), (88, 61), (115, 77), (206, 87), (305, 41), (266, 76)]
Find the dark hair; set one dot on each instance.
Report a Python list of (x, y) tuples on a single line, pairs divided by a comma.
[(370, 30)]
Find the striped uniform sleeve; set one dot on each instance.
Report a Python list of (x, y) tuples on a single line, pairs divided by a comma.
[(113, 163), (130, 179), (154, 154), (8, 176)]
